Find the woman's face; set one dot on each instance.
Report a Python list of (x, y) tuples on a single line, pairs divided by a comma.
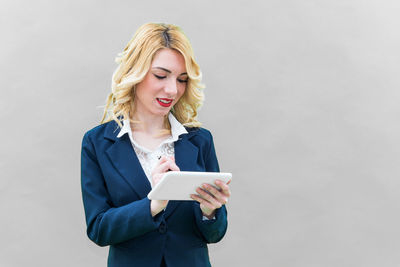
[(163, 84)]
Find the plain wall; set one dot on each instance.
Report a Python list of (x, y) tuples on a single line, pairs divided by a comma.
[(302, 98)]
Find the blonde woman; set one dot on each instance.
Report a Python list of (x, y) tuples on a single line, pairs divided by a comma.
[(149, 127)]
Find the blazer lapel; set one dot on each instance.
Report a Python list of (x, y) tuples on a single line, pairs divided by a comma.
[(185, 157), (125, 161)]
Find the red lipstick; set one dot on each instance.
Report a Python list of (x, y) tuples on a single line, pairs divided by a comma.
[(164, 102)]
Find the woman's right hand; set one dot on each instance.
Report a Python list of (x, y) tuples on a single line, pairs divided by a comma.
[(165, 164)]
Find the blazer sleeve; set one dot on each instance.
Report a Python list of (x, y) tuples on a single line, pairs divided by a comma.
[(106, 224), (215, 229)]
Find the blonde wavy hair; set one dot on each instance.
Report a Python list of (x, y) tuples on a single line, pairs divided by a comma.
[(135, 62)]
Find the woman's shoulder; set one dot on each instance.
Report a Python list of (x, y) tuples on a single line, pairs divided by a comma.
[(199, 131), (101, 130), (199, 134)]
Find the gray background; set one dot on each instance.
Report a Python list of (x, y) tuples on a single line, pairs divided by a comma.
[(302, 99)]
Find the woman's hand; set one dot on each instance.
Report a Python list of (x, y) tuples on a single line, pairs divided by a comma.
[(165, 164), (211, 198)]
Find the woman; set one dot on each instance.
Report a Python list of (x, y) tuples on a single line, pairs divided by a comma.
[(149, 127)]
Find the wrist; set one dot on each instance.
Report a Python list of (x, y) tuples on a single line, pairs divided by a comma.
[(209, 215), (156, 206)]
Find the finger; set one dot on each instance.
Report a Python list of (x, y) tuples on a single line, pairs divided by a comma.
[(218, 195), (164, 167), (210, 198), (171, 166), (196, 197), (224, 187), (222, 198), (174, 167), (203, 202), (161, 168), (172, 160), (162, 160)]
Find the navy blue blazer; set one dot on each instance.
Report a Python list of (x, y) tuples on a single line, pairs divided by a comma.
[(117, 210)]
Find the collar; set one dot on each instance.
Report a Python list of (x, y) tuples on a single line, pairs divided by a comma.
[(177, 129)]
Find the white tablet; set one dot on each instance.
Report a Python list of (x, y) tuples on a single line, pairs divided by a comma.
[(179, 185)]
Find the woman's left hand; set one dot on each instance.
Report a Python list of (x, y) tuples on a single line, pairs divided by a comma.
[(211, 198)]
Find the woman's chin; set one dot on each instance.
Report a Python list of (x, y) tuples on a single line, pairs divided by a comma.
[(162, 113)]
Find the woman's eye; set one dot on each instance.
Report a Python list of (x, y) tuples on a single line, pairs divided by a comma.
[(182, 81), (159, 77)]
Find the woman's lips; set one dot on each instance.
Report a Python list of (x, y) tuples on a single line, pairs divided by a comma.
[(164, 102)]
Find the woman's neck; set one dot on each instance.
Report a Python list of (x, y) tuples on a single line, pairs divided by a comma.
[(149, 124)]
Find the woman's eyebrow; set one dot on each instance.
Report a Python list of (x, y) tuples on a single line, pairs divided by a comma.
[(167, 70)]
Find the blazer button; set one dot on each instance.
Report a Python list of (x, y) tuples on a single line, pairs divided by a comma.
[(162, 228)]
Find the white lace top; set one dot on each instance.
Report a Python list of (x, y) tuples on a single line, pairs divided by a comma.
[(148, 158)]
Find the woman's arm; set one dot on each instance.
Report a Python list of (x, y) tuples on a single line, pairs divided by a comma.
[(212, 230), (106, 224)]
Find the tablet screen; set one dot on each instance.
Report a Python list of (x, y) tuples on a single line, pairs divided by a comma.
[(179, 185)]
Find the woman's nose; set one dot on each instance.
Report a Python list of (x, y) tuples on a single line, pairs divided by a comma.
[(171, 87)]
